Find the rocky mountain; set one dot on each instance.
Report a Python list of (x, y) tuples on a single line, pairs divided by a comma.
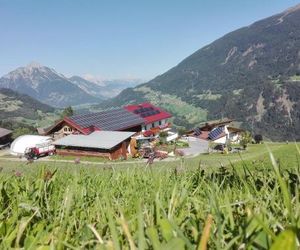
[(103, 89), (46, 85), (251, 75), (113, 87), (89, 87)]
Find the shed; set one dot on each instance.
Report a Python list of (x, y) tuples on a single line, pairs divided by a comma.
[(106, 144), (5, 136)]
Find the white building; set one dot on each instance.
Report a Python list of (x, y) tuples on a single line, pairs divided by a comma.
[(20, 144)]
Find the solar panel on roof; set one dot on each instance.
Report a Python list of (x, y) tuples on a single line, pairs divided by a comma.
[(215, 133), (143, 110), (147, 112), (117, 119), (197, 131)]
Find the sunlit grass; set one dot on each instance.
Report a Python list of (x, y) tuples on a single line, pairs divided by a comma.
[(248, 204)]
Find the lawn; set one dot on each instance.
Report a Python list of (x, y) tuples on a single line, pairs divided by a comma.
[(190, 203), (254, 155)]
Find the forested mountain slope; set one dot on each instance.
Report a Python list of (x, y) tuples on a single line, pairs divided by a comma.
[(251, 75)]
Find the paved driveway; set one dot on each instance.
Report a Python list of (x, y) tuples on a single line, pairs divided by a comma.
[(197, 146)]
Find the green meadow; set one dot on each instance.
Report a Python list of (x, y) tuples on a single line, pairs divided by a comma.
[(247, 200)]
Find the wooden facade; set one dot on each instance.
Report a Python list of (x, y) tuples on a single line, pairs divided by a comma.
[(64, 128), (59, 130), (119, 151)]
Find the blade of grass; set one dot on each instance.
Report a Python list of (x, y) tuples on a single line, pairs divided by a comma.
[(284, 189), (205, 234)]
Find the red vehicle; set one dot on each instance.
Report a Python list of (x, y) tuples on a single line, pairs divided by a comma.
[(39, 150)]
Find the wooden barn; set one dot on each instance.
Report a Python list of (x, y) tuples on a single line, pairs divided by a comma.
[(106, 144)]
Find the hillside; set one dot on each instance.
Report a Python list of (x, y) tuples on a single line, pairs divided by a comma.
[(46, 85), (19, 110), (251, 75)]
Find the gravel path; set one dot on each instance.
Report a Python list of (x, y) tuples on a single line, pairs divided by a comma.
[(197, 146)]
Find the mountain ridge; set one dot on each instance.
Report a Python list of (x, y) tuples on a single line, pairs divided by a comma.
[(46, 85), (104, 89)]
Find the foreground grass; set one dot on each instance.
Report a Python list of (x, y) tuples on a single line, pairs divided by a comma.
[(249, 204)]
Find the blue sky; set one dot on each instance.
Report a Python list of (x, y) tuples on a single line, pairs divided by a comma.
[(119, 39)]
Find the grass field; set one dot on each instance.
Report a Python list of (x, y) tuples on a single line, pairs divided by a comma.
[(190, 203)]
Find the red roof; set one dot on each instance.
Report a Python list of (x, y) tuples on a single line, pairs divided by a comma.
[(148, 112)]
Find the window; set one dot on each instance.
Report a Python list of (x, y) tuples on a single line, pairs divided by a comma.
[(159, 123), (153, 125)]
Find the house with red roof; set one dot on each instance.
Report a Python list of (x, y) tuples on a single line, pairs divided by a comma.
[(218, 131), (132, 118), (153, 116)]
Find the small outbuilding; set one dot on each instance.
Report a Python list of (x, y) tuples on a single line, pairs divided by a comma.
[(5, 137), (107, 144)]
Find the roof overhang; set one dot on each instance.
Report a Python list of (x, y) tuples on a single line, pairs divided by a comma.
[(4, 132), (97, 140)]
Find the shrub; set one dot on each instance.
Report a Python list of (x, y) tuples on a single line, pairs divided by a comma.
[(246, 139), (163, 134), (258, 139)]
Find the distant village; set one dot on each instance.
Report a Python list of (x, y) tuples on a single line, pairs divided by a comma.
[(134, 131)]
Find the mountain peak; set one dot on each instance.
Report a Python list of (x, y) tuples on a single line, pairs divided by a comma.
[(34, 65), (37, 67), (292, 9)]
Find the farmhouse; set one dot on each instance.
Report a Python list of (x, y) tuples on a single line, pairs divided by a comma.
[(110, 120), (5, 137), (107, 144), (154, 117), (132, 118), (218, 131), (106, 133)]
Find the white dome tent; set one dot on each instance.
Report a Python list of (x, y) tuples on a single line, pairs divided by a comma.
[(19, 145)]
